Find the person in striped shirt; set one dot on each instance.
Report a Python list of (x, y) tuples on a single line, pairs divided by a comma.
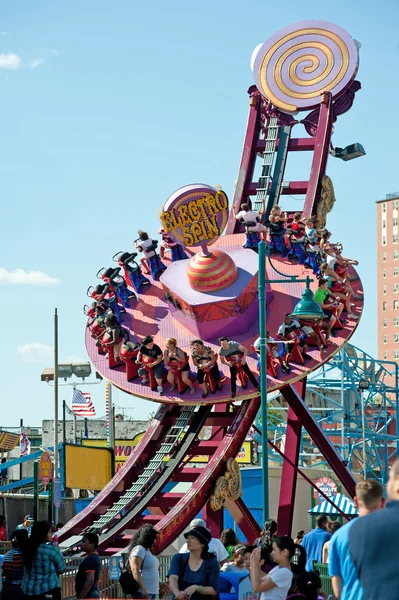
[(13, 568)]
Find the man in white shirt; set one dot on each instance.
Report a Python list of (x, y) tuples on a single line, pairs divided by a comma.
[(251, 216), (215, 545)]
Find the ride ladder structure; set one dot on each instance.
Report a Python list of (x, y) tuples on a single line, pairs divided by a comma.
[(215, 293)]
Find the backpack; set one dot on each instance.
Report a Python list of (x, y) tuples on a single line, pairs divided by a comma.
[(127, 582)]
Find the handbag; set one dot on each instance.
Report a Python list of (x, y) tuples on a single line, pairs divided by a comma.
[(127, 582)]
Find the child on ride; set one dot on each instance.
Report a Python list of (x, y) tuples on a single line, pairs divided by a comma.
[(322, 298), (298, 227), (338, 288), (277, 221), (311, 233)]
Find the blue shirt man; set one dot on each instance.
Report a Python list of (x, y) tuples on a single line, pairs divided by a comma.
[(373, 546), (314, 541), (346, 585)]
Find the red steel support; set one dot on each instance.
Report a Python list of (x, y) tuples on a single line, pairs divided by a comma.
[(248, 157), (286, 503), (298, 405), (319, 163), (214, 519), (244, 519)]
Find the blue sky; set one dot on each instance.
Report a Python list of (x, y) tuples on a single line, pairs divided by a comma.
[(107, 108)]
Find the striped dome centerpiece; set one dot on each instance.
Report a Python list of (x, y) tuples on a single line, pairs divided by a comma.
[(211, 272)]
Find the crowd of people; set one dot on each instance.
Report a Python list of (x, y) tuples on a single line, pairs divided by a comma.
[(360, 556)]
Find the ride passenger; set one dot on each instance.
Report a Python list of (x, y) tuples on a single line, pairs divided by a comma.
[(143, 244), (247, 216), (173, 354), (274, 352), (289, 325), (227, 348), (149, 348), (298, 227), (115, 333), (311, 233), (277, 221), (204, 358), (321, 297), (339, 289)]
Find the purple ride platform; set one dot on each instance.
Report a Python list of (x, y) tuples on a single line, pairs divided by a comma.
[(150, 315)]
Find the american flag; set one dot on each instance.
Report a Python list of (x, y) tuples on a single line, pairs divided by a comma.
[(82, 406)]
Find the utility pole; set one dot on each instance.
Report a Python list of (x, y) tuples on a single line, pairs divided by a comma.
[(55, 403)]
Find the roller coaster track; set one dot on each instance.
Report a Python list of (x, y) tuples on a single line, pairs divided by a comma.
[(138, 494)]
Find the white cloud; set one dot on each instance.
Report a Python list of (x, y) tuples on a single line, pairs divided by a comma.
[(22, 277), (4, 33), (53, 52), (10, 61), (35, 353), (35, 62)]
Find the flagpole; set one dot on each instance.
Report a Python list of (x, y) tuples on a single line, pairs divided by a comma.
[(55, 403)]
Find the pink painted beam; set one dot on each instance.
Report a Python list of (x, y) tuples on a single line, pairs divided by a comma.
[(289, 474), (248, 158), (319, 163), (294, 145), (294, 187), (332, 457), (244, 519)]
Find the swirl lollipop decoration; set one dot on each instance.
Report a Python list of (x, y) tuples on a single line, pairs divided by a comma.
[(300, 62)]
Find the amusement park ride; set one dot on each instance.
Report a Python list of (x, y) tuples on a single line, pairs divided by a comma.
[(208, 288)]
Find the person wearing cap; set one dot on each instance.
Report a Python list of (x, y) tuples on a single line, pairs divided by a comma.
[(27, 524), (237, 565), (195, 574), (215, 545)]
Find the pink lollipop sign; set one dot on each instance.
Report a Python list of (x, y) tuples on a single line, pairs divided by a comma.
[(300, 62)]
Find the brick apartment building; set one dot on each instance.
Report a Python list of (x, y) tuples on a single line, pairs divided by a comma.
[(388, 277)]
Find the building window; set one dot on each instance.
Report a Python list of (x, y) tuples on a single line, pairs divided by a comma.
[(395, 288), (384, 208), (395, 321), (384, 257), (384, 306), (384, 240), (385, 322), (396, 338), (395, 304), (395, 238), (384, 290), (395, 271), (395, 221), (395, 205), (395, 255), (384, 224), (386, 355), (396, 354), (384, 273), (385, 339)]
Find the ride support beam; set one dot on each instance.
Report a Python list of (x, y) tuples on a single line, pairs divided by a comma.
[(319, 163), (248, 158), (214, 519), (244, 519), (298, 405), (289, 474)]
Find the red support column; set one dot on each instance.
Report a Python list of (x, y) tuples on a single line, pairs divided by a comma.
[(214, 519), (307, 420), (319, 163), (244, 519), (286, 503), (248, 157)]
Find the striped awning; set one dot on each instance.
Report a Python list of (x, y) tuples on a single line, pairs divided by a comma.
[(344, 504)]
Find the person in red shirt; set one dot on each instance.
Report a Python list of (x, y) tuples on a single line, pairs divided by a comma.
[(3, 532)]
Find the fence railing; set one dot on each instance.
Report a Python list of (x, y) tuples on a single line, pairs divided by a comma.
[(326, 583)]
